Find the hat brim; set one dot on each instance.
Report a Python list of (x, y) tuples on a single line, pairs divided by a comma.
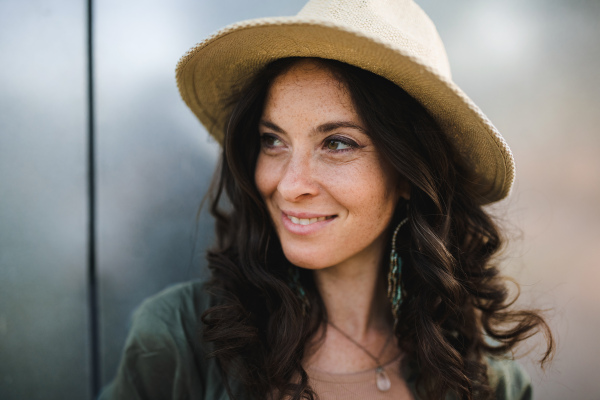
[(211, 71)]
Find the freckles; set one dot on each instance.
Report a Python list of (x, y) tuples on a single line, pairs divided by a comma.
[(361, 185), (263, 177), (378, 198)]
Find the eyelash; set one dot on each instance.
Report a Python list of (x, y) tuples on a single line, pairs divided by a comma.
[(352, 145), (265, 137)]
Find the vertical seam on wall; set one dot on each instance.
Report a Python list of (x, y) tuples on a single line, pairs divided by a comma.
[(92, 272)]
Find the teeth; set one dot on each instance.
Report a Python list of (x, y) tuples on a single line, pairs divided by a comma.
[(306, 221)]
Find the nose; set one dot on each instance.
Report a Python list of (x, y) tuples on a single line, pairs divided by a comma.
[(298, 179)]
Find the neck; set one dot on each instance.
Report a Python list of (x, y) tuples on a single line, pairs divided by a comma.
[(355, 298)]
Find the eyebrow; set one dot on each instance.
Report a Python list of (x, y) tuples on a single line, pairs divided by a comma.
[(324, 128), (331, 126), (270, 125)]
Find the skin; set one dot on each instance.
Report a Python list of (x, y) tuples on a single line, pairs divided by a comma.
[(318, 161)]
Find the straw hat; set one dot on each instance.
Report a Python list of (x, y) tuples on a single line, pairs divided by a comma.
[(391, 38)]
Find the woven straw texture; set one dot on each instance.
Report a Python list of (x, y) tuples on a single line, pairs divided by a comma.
[(392, 38)]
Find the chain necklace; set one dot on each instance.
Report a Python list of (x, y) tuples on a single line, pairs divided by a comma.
[(381, 377)]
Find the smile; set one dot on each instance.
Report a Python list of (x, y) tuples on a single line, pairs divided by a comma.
[(307, 221)]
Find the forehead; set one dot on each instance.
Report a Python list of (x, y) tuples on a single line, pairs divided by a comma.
[(309, 82)]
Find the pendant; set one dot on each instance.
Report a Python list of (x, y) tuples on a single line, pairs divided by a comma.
[(383, 381)]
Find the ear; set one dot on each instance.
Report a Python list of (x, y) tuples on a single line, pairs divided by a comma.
[(403, 188)]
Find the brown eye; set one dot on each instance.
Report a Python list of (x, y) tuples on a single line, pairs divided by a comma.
[(270, 141), (338, 145)]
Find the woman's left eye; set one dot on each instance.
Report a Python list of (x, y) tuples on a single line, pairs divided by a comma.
[(336, 144)]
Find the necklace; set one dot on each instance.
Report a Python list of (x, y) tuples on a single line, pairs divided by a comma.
[(381, 377)]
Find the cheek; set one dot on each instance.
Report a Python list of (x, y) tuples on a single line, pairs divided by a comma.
[(265, 176), (377, 203), (366, 188)]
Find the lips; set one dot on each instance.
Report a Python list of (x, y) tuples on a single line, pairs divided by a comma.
[(301, 223), (308, 221)]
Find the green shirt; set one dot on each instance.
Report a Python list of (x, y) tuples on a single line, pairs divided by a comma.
[(165, 358)]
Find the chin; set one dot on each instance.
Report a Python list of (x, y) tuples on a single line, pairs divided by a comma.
[(311, 261)]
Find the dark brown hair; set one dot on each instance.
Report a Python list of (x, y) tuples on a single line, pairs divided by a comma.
[(454, 295)]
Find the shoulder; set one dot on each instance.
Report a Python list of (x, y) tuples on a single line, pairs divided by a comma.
[(177, 305), (508, 379), (171, 317), (164, 356)]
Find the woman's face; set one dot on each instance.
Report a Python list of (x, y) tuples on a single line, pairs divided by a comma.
[(327, 190)]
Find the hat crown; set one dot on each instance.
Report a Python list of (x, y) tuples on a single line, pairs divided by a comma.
[(391, 38), (401, 24)]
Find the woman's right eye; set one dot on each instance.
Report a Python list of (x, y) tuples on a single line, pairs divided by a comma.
[(270, 141)]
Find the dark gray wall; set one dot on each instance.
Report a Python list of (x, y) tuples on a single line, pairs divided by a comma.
[(532, 66), (44, 348), (154, 158)]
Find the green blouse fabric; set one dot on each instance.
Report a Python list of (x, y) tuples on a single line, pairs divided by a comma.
[(164, 357)]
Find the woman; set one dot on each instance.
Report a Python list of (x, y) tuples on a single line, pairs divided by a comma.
[(354, 256)]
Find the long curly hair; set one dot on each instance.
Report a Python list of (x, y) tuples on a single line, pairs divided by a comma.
[(456, 307)]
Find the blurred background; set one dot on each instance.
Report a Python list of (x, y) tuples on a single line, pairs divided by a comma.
[(66, 295)]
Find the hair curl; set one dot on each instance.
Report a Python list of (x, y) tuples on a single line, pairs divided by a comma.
[(454, 296)]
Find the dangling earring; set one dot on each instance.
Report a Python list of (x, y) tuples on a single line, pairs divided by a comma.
[(296, 286), (394, 274)]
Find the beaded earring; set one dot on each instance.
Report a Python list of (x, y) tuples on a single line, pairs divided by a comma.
[(296, 286), (394, 275)]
